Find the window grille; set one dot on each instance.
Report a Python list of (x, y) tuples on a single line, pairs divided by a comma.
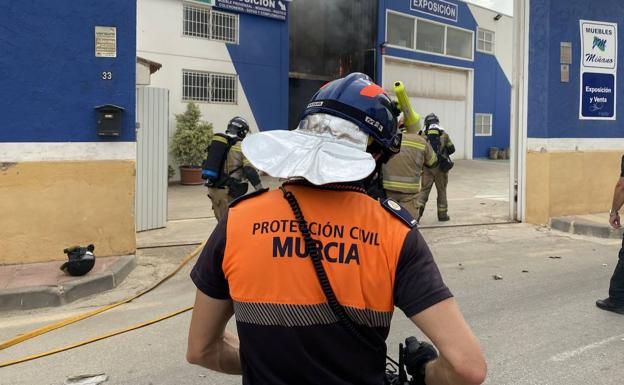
[(224, 26), (483, 124), (199, 86), (485, 41), (207, 23), (196, 21), (223, 88)]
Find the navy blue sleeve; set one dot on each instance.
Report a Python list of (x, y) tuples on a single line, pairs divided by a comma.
[(418, 283), (207, 274)]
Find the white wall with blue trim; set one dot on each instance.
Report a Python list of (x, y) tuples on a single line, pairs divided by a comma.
[(491, 82), (259, 59)]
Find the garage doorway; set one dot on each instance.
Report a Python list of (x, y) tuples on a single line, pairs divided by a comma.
[(478, 189)]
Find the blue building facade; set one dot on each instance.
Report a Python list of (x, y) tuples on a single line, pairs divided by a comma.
[(455, 59), (574, 140), (52, 78), (261, 62), (61, 183), (551, 23)]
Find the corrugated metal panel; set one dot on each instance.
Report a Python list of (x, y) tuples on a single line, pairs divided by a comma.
[(442, 91), (426, 81), (151, 176), (452, 114)]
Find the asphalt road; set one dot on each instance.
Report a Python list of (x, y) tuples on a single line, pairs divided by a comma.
[(536, 327)]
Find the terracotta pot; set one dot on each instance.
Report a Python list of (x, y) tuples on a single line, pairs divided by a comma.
[(191, 175)]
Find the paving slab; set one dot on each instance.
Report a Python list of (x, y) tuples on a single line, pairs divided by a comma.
[(477, 193), (38, 285), (177, 233), (192, 202)]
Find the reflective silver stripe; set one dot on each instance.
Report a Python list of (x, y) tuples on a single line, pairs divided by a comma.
[(269, 314), (416, 145), (406, 179), (401, 185)]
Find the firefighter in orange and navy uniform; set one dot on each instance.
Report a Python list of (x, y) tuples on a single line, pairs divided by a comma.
[(255, 265)]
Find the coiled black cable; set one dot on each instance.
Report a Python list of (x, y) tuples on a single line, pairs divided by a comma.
[(335, 306)]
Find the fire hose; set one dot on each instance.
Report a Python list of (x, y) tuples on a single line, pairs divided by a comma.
[(60, 324)]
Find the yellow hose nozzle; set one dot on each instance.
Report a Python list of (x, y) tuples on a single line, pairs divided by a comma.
[(411, 119)]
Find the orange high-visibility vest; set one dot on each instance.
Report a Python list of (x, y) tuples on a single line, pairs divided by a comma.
[(265, 260)]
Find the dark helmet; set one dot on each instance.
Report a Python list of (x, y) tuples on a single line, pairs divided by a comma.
[(81, 260), (431, 119), (357, 99), (237, 127)]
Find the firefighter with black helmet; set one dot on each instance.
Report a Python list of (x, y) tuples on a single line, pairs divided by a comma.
[(277, 258), (443, 147), (226, 169), (402, 174)]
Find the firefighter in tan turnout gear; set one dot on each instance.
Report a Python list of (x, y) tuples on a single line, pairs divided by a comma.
[(401, 175), (226, 168), (443, 147)]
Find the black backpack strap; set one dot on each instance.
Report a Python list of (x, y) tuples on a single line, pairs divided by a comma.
[(247, 196), (310, 247)]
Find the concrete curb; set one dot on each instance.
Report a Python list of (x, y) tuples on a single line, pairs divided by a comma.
[(45, 296), (575, 225)]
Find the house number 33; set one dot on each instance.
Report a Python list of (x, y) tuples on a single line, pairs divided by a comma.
[(107, 75)]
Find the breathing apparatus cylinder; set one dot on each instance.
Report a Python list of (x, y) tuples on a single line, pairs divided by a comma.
[(411, 119), (217, 153)]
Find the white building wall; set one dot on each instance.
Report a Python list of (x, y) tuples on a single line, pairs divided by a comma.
[(160, 38), (142, 75), (503, 31)]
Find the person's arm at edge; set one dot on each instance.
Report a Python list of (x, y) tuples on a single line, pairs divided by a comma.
[(450, 147), (209, 344), (430, 305), (250, 173), (460, 361), (618, 201)]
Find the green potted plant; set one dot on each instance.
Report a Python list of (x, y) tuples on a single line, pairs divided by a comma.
[(188, 145)]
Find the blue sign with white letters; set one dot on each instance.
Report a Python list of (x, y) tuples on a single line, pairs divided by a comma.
[(276, 9), (598, 95), (438, 8)]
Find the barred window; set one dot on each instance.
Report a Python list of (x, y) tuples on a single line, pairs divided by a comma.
[(223, 88), (196, 21), (224, 26), (210, 24), (199, 86)]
